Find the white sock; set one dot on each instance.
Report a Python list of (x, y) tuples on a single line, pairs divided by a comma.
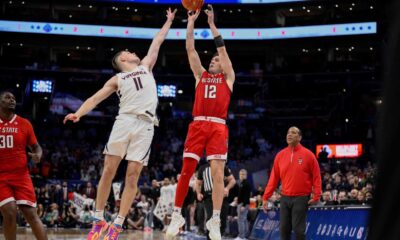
[(119, 220), (216, 213), (177, 210), (99, 215)]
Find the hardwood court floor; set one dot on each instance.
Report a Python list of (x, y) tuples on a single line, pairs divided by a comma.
[(80, 234)]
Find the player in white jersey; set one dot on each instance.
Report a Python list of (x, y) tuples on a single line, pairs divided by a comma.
[(133, 129)]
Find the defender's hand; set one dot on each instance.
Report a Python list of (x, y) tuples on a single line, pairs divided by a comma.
[(71, 117), (171, 14)]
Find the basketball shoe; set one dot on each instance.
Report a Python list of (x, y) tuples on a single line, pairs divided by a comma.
[(213, 225), (97, 229), (177, 221), (113, 232)]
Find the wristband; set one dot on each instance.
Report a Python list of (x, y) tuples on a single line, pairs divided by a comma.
[(219, 42)]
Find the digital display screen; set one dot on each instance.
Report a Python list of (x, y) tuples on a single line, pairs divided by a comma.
[(42, 86), (340, 150), (331, 30), (166, 90)]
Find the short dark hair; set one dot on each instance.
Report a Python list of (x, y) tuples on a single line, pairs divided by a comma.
[(215, 55), (114, 61), (300, 133), (2, 92)]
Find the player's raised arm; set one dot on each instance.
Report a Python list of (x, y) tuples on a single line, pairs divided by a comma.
[(152, 55), (226, 63), (109, 87), (194, 59)]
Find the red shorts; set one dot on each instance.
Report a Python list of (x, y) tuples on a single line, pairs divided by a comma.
[(19, 189), (209, 136)]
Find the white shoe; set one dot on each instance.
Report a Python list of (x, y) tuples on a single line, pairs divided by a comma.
[(213, 225), (177, 221)]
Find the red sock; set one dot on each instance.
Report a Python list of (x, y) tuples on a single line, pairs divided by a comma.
[(188, 169)]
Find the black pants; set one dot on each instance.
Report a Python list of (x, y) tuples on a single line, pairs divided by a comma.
[(293, 217), (200, 216)]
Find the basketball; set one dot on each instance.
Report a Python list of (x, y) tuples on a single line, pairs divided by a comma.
[(192, 5)]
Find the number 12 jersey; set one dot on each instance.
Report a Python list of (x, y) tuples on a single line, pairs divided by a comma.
[(213, 96)]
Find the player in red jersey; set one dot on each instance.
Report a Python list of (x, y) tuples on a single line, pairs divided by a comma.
[(16, 188), (208, 130)]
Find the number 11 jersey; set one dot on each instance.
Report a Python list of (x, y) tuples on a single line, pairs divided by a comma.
[(213, 96), (137, 92)]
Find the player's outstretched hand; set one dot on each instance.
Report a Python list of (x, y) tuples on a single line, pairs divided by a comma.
[(193, 15), (210, 13), (71, 117), (35, 157), (171, 14), (265, 206)]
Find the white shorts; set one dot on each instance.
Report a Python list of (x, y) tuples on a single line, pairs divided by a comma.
[(131, 138)]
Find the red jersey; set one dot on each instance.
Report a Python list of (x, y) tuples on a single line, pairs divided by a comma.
[(15, 136), (213, 96), (298, 169)]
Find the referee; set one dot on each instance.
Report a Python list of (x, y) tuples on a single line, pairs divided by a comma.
[(204, 188)]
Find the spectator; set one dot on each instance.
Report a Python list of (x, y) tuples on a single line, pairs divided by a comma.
[(243, 204)]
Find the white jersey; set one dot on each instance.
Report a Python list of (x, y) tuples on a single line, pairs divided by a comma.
[(137, 91)]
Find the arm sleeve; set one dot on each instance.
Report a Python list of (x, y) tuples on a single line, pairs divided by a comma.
[(316, 174), (273, 180), (31, 137)]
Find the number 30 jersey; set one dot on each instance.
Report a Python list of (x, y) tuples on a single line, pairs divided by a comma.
[(213, 96), (137, 92), (15, 136)]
